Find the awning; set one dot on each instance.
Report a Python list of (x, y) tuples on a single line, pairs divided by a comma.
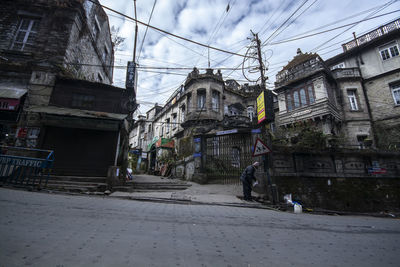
[(82, 119), (76, 112), (161, 142), (10, 98), (14, 93), (165, 142)]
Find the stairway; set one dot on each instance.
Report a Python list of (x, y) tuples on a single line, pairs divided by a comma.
[(76, 184), (147, 186)]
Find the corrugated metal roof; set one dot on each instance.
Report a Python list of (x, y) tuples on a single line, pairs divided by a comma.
[(76, 112), (15, 93)]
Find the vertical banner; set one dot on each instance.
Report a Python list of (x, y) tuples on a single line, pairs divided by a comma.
[(260, 108)]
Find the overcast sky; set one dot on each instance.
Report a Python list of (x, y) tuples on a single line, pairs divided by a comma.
[(227, 24)]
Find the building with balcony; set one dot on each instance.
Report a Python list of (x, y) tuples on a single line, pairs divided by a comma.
[(204, 105), (307, 92), (368, 73), (354, 95)]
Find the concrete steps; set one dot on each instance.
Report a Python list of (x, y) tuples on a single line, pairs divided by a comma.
[(152, 186), (77, 184)]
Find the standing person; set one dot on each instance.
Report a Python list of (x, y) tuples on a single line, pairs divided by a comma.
[(247, 178)]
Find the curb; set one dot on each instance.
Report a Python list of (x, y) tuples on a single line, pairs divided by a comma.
[(191, 202)]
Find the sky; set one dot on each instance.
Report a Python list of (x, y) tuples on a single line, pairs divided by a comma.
[(164, 61)]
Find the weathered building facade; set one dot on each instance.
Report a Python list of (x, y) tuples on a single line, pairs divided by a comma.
[(206, 106), (56, 60), (368, 75)]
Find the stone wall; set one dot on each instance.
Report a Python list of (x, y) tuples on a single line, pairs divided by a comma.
[(339, 181)]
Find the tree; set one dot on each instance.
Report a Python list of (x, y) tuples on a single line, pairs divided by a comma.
[(116, 39)]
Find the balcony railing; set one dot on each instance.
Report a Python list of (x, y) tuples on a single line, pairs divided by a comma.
[(346, 73), (299, 71), (394, 25)]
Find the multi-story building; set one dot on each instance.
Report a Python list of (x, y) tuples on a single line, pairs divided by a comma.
[(352, 97), (204, 105), (56, 68), (368, 75)]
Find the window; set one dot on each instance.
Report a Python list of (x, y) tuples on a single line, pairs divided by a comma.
[(215, 101), (396, 93), (189, 98), (201, 99), (388, 51), (26, 34), (149, 128), (311, 94), (299, 97), (174, 121), (182, 113), (303, 97), (250, 112), (289, 102), (167, 122), (296, 99), (83, 101), (361, 140), (351, 94)]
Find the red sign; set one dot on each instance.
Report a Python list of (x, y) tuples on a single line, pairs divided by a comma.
[(22, 132), (9, 104)]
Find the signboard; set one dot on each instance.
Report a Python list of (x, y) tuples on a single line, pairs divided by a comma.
[(377, 170), (131, 74), (260, 148), (265, 107), (144, 155), (227, 132), (260, 108), (8, 104)]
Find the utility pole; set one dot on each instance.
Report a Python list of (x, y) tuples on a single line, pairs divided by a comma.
[(131, 86), (271, 188)]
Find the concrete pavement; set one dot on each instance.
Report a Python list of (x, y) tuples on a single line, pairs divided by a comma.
[(213, 194)]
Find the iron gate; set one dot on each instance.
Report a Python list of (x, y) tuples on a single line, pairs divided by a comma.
[(227, 156), (25, 166)]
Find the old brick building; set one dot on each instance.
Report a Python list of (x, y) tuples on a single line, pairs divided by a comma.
[(56, 68)]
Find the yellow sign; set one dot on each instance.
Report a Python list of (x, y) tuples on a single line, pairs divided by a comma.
[(261, 108)]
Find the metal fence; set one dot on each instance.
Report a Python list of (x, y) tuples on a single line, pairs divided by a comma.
[(24, 166), (227, 156)]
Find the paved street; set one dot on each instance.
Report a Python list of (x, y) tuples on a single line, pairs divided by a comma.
[(41, 229)]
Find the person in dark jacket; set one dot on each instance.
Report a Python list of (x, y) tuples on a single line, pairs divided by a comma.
[(247, 179)]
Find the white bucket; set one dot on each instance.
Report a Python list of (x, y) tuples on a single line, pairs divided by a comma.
[(298, 208)]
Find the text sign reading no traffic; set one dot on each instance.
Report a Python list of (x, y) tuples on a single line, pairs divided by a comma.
[(260, 148)]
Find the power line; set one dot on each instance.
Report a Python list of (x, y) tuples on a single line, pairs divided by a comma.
[(166, 32), (373, 13), (329, 30), (144, 37), (272, 35)]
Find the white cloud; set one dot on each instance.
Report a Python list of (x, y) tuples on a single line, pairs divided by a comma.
[(197, 20)]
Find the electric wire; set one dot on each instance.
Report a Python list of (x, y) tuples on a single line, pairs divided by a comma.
[(144, 37), (165, 32)]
